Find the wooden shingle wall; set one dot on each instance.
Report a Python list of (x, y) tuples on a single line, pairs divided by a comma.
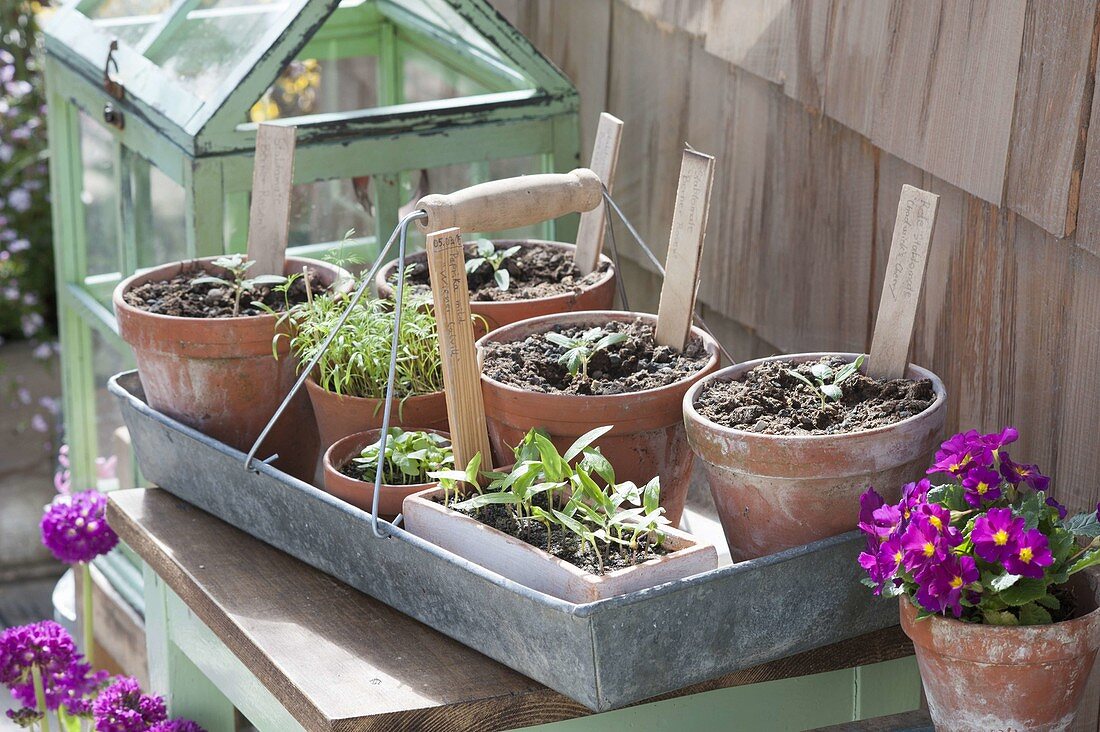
[(818, 111)]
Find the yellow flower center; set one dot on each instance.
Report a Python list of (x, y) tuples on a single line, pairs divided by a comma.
[(929, 548), (982, 488), (956, 582), (1025, 554), (935, 521), (897, 557), (1000, 538)]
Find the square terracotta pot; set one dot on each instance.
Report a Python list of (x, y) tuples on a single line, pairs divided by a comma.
[(535, 568)]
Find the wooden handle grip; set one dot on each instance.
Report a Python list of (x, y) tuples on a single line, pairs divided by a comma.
[(512, 202)]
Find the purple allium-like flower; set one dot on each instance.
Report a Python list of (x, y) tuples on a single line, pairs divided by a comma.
[(982, 486), (942, 586), (121, 707), (1030, 556), (996, 534), (177, 725), (66, 678), (75, 528), (1016, 473)]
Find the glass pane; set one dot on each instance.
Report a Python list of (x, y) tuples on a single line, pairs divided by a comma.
[(106, 362), (427, 79), (165, 237), (325, 210), (447, 19), (99, 196), (314, 86), (201, 50), (125, 8)]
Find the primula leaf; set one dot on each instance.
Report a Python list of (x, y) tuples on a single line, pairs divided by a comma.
[(502, 278), (832, 391), (1003, 582), (585, 440), (1049, 601), (950, 495), (1032, 510), (1032, 614), (1024, 591), (1062, 545), (1084, 524), (999, 617), (1086, 560)]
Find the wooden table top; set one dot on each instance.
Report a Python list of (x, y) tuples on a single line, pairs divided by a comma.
[(333, 655)]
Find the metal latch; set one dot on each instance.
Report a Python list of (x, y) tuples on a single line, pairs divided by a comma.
[(114, 88)]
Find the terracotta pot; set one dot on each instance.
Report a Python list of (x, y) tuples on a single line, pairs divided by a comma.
[(982, 677), (340, 416), (648, 436), (219, 376), (774, 492), (360, 493), (598, 296), (532, 567)]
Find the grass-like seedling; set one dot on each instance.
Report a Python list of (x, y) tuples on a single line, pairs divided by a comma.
[(575, 492), (409, 457), (827, 380), (487, 252), (238, 265), (357, 361), (580, 349)]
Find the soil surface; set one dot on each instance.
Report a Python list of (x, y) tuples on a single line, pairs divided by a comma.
[(770, 401), (534, 271), (636, 364), (563, 544), (179, 298)]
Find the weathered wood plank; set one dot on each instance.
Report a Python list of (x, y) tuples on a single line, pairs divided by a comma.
[(1051, 119), (856, 55)]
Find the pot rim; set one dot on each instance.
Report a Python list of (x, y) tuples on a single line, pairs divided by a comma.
[(726, 373), (382, 278), (709, 343), (312, 382), (366, 437), (120, 304)]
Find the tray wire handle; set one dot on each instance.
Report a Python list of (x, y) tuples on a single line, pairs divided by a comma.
[(652, 258), (400, 233)]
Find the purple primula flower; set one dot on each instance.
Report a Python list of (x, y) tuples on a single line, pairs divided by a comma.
[(940, 519), (121, 707), (882, 565), (868, 502), (1062, 511), (996, 440), (962, 452), (996, 534), (913, 495), (982, 486), (177, 725), (1016, 473), (878, 520), (922, 546), (66, 677), (75, 528), (1030, 556), (942, 587)]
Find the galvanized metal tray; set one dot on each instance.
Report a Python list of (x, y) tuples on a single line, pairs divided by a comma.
[(603, 654)]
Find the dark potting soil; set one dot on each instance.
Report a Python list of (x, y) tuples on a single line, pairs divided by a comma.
[(534, 271), (636, 364), (770, 401), (356, 471), (179, 298), (563, 544)]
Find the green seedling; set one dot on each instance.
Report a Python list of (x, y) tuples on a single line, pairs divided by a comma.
[(575, 492), (409, 457), (237, 265), (580, 349), (487, 252), (827, 380)]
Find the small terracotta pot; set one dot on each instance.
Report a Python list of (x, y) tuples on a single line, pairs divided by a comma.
[(360, 493), (532, 567), (340, 416), (982, 677), (597, 296), (648, 436), (218, 375), (774, 492)]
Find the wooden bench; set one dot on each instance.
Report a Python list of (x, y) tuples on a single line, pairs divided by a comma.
[(236, 628)]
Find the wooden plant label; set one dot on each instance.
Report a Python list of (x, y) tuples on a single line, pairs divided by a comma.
[(685, 250), (269, 215), (461, 372), (605, 157), (897, 309)]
